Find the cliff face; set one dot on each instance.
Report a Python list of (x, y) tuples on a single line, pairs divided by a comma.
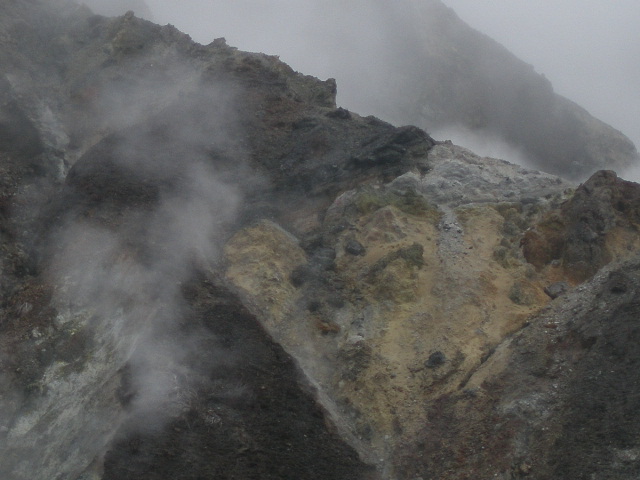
[(211, 271)]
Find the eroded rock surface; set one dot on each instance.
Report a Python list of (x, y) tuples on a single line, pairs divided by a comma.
[(209, 270), (553, 401), (597, 225), (441, 283)]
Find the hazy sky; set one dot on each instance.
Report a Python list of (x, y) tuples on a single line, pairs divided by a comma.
[(589, 49)]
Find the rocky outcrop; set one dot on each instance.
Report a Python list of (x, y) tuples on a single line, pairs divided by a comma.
[(210, 270), (435, 346), (382, 333), (597, 225), (553, 401)]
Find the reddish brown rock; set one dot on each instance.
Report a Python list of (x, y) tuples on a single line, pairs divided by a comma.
[(598, 224)]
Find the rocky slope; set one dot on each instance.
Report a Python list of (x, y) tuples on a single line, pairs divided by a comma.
[(211, 271)]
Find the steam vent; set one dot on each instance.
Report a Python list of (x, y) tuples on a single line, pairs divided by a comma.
[(209, 270)]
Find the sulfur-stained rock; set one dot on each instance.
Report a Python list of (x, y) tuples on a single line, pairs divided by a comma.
[(537, 396), (261, 260), (211, 270)]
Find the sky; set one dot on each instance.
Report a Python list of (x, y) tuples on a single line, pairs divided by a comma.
[(588, 49)]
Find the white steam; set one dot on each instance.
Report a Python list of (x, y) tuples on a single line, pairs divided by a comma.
[(484, 144), (134, 293), (130, 275), (632, 174)]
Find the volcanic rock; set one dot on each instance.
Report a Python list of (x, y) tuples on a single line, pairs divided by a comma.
[(210, 270)]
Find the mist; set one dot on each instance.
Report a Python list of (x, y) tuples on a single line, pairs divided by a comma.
[(587, 49), (357, 43), (166, 148), (121, 264), (130, 273)]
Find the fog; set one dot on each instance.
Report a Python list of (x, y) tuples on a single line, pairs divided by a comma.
[(128, 277), (165, 208), (588, 49), (131, 275)]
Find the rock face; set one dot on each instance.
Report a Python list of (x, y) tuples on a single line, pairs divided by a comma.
[(442, 282), (550, 402), (211, 271), (597, 225)]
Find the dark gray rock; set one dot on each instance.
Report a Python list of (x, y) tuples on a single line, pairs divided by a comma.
[(556, 289), (435, 360), (301, 275), (356, 356), (354, 247), (339, 113), (619, 283)]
